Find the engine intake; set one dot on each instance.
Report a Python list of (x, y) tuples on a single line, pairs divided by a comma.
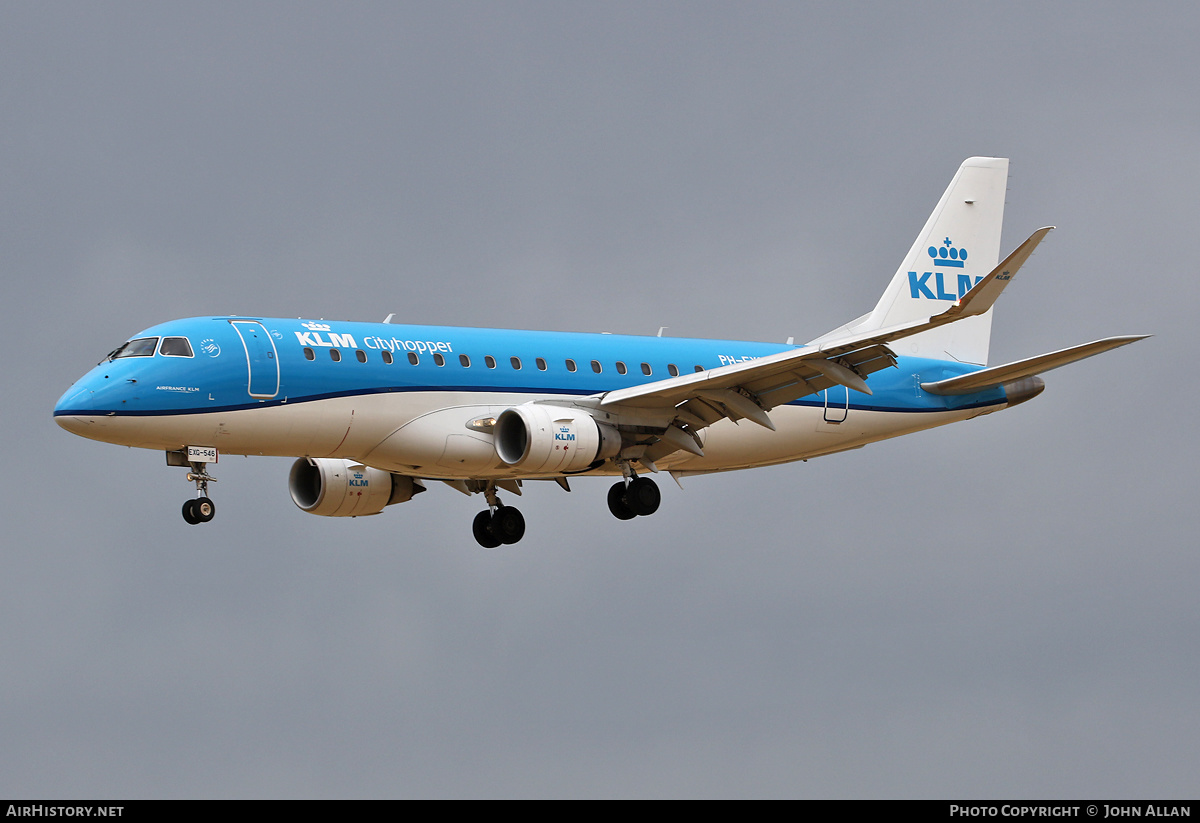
[(343, 488), (540, 438)]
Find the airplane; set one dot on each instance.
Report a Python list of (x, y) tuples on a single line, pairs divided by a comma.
[(373, 412)]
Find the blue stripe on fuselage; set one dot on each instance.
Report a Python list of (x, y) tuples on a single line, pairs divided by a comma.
[(216, 377)]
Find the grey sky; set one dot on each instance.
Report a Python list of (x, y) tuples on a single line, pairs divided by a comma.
[(1005, 607)]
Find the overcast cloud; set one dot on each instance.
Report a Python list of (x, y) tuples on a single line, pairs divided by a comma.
[(1006, 607)]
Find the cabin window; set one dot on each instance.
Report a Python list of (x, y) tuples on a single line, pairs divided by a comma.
[(464, 361), (596, 366), (142, 347), (412, 358), (489, 361), (516, 362), (541, 364), (361, 355), (335, 355), (699, 368), (621, 368), (308, 354), (437, 358), (672, 370), (175, 347), (646, 369), (571, 365), (387, 357)]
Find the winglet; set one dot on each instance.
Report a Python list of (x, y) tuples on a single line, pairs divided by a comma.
[(983, 295)]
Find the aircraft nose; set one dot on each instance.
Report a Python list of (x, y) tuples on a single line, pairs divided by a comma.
[(75, 400)]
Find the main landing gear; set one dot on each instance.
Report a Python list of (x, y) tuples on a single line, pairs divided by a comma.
[(633, 497), (497, 524), (201, 509)]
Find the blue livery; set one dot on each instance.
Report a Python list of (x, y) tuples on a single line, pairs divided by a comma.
[(373, 412)]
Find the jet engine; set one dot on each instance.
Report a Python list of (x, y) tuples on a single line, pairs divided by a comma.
[(539, 438), (344, 488)]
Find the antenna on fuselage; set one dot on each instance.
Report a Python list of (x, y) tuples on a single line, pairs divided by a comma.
[(661, 329), (388, 319)]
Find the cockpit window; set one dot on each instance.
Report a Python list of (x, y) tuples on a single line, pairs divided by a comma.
[(175, 347), (142, 347)]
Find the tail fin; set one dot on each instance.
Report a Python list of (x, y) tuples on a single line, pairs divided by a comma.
[(959, 244)]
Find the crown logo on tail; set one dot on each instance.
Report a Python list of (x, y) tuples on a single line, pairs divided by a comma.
[(947, 255)]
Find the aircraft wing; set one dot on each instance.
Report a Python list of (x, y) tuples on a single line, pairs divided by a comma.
[(998, 375), (751, 389)]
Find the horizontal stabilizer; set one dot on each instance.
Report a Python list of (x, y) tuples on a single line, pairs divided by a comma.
[(999, 375)]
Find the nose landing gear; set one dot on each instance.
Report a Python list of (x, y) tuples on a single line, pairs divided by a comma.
[(201, 509)]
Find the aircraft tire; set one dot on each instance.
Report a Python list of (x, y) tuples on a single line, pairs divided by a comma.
[(203, 509), (616, 502), (189, 512), (481, 527), (508, 524), (642, 496)]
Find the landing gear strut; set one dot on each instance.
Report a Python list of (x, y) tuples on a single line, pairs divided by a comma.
[(633, 497), (497, 523), (201, 509)]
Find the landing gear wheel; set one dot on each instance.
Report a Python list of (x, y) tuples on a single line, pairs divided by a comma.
[(482, 528), (199, 509), (508, 524), (189, 512), (642, 496), (616, 502), (203, 509)]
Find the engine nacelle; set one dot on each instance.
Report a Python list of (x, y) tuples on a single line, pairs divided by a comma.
[(539, 438), (343, 488)]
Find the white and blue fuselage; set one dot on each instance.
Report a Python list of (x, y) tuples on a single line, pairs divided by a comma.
[(350, 390)]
